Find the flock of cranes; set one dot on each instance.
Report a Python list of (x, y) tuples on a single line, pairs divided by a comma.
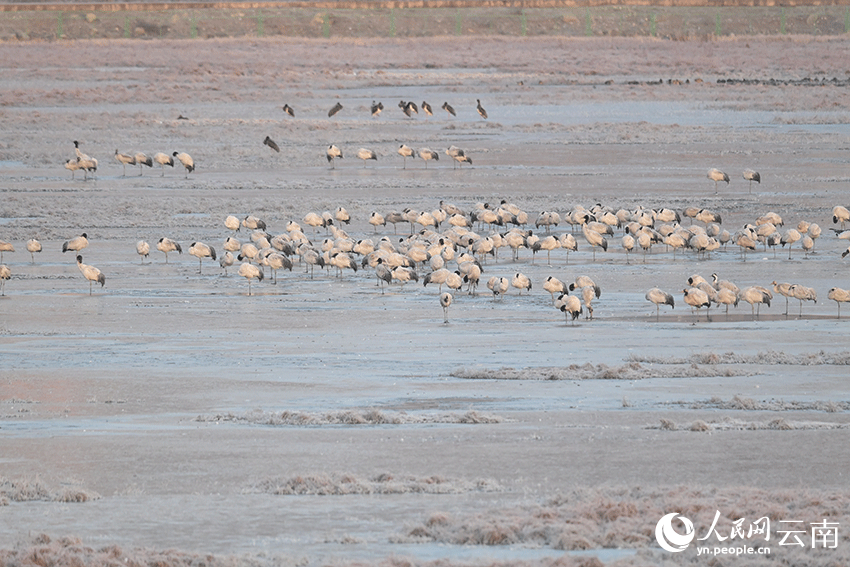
[(408, 107), (455, 247), (333, 153), (88, 164)]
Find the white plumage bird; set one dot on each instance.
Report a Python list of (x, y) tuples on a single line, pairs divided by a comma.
[(91, 273), (187, 162), (249, 271)]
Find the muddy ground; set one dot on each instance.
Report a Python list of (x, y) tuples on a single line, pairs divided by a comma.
[(321, 421)]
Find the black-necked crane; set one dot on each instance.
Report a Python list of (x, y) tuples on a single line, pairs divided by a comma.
[(628, 242), (803, 293), (91, 273), (250, 272), (548, 244), (409, 107), (458, 155), (277, 261), (143, 249), (499, 286), (376, 220), (814, 232), (426, 108), (384, 274), (659, 298), (404, 274), (553, 285), (33, 246), (448, 108), (840, 215), (644, 240), (227, 259), (755, 295), (791, 236), (341, 260), (142, 159), (706, 216), (838, 295), (6, 247), (332, 153), (428, 154), (78, 152), (568, 242), (232, 223), (254, 223), (406, 151), (73, 245), (570, 305), (289, 110), (716, 175), (454, 281), (334, 109), (445, 301), (752, 175), (727, 297), (807, 244), (248, 250), (6, 273), (125, 160), (341, 215), (697, 299), (745, 241), (770, 217), (163, 160), (595, 240), (438, 277), (312, 259), (481, 112), (376, 108), (272, 144), (166, 245), (521, 282), (723, 284), (87, 164), (471, 271), (186, 160), (585, 281), (588, 292), (72, 165), (200, 251)]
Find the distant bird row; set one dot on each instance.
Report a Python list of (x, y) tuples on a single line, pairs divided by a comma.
[(409, 108), (701, 294), (333, 153), (749, 174), (89, 164)]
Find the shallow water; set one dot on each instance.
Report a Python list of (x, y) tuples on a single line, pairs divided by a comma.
[(132, 392)]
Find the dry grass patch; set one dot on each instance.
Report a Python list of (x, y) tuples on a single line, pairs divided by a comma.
[(626, 518), (348, 417), (340, 484), (29, 489), (770, 357), (749, 404), (630, 371), (730, 424)]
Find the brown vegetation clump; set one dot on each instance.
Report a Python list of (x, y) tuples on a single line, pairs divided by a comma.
[(348, 417), (340, 484), (33, 488)]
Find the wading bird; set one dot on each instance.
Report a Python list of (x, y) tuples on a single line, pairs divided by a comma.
[(716, 175), (90, 273)]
